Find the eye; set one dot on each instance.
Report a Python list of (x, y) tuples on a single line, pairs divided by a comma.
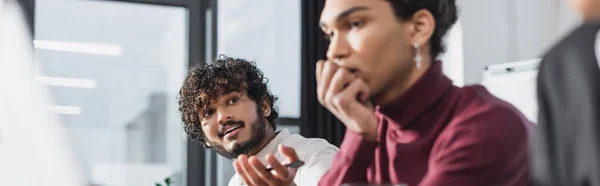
[(356, 23), (234, 100), (207, 113)]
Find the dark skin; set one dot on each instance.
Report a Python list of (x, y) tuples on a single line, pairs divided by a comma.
[(370, 56), (238, 106), (253, 172), (233, 106), (588, 9)]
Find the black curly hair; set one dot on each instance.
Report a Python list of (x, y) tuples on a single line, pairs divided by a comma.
[(205, 83), (444, 12)]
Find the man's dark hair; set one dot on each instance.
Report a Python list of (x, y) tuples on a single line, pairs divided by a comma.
[(444, 12), (206, 83)]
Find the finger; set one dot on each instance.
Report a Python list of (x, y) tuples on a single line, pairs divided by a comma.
[(339, 81), (319, 69), (327, 72), (357, 91), (289, 153), (262, 172), (363, 92), (329, 69), (250, 173), (238, 168), (279, 171)]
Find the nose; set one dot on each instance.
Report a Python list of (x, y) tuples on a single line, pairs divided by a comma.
[(224, 115), (338, 48)]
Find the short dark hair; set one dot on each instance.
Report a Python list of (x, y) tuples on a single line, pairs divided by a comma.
[(444, 12), (205, 83)]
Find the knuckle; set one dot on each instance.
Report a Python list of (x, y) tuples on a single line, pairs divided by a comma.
[(331, 66), (329, 99), (328, 64), (338, 100), (344, 72), (320, 98), (322, 95)]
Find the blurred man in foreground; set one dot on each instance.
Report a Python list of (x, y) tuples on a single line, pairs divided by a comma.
[(33, 144)]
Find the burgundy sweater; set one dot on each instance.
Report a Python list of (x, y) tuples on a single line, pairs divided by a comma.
[(439, 134)]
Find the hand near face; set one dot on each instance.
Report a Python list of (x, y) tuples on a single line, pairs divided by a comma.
[(347, 97), (254, 173)]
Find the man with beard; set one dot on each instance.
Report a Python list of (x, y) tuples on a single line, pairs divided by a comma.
[(227, 106)]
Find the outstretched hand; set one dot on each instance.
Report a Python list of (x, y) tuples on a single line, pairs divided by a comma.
[(254, 173)]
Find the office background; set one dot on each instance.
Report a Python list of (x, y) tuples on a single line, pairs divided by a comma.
[(115, 66)]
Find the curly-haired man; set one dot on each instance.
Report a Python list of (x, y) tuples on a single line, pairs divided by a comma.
[(227, 106)]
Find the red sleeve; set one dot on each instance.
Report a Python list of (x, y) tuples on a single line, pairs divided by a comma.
[(485, 146), (351, 162)]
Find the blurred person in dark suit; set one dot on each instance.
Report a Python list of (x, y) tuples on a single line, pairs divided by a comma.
[(566, 149)]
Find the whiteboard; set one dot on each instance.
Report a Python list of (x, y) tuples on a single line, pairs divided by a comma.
[(515, 83)]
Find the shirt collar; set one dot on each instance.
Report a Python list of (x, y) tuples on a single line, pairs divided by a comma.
[(418, 98), (272, 146)]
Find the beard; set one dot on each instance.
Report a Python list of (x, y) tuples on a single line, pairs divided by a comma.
[(259, 132)]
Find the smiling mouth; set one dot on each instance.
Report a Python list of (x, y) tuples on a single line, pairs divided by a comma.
[(229, 127), (231, 130)]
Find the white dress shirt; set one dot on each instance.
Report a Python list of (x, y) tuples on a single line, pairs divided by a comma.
[(317, 155)]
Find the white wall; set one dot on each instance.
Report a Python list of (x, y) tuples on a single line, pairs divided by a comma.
[(509, 30), (453, 59), (267, 31)]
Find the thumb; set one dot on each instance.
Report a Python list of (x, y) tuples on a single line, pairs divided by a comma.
[(289, 153)]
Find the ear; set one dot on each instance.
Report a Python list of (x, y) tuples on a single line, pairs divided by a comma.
[(265, 107), (422, 25)]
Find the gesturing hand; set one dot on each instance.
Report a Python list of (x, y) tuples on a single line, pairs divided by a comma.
[(254, 173), (347, 97)]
